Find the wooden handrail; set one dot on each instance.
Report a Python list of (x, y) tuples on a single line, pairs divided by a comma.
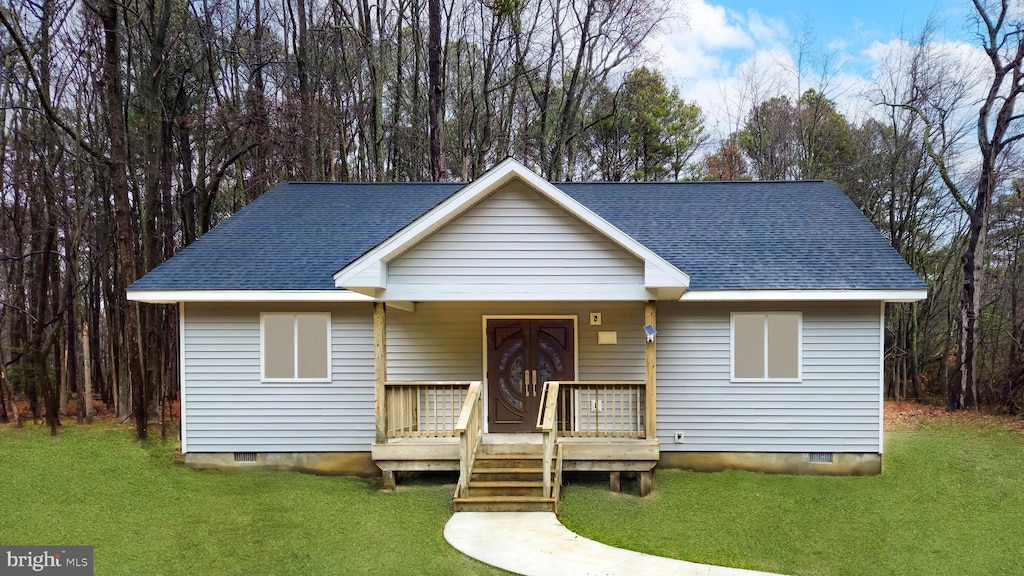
[(548, 403), (547, 421), (470, 431), (472, 397), (427, 383)]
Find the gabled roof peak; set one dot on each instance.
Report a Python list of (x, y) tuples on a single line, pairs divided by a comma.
[(368, 273)]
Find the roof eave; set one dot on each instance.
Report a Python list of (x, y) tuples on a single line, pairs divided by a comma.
[(172, 296), (825, 295)]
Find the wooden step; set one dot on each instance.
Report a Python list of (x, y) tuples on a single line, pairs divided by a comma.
[(509, 469), (506, 484), (511, 474), (506, 488), (507, 461), (504, 504)]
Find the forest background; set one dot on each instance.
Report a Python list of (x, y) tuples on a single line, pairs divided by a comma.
[(131, 127)]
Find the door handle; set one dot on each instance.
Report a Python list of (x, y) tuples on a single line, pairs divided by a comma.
[(534, 383)]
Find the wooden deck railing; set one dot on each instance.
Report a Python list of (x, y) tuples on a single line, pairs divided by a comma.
[(600, 409), (424, 409), (470, 431), (548, 424)]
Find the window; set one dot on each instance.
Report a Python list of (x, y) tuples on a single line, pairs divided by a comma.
[(295, 347), (766, 347)]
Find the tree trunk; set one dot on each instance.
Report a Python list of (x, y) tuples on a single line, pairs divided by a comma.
[(436, 89), (86, 398), (123, 232)]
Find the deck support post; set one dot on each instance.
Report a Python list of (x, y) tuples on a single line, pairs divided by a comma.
[(646, 482), (650, 356), (380, 371), (614, 483), (388, 479)]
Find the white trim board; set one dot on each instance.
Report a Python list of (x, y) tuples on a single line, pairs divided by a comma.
[(182, 383), (803, 295), (881, 378), (368, 273), (172, 296)]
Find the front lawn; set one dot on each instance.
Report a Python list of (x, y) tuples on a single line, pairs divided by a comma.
[(148, 515), (950, 501)]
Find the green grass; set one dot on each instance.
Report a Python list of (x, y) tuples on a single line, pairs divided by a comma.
[(950, 501), (147, 514)]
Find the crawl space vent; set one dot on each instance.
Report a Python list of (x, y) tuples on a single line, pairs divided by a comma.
[(825, 457), (251, 457)]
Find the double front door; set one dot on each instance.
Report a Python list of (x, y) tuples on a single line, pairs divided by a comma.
[(521, 355)]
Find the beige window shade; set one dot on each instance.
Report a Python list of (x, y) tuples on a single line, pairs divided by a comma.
[(766, 346), (296, 347), (312, 346), (748, 334), (783, 346), (279, 347)]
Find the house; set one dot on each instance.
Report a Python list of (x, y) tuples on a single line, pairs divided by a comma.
[(512, 322)]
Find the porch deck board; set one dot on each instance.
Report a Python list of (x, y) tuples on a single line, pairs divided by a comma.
[(580, 454)]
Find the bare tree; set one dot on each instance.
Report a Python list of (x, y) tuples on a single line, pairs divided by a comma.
[(936, 101)]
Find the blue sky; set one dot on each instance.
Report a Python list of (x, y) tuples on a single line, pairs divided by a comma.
[(719, 52)]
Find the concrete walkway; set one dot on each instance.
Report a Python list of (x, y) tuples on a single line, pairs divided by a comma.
[(536, 544)]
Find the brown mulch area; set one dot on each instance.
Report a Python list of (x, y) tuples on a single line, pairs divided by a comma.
[(100, 410), (904, 414)]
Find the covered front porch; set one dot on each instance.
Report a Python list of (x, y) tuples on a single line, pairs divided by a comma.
[(592, 425)]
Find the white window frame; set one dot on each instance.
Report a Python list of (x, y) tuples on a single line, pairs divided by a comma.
[(295, 344), (799, 347)]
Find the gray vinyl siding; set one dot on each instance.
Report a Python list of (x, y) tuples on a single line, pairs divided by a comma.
[(228, 409), (835, 408), (515, 237), (442, 341)]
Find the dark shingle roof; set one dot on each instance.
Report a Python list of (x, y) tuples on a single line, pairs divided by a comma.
[(725, 235)]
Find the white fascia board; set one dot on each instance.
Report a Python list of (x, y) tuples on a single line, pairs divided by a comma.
[(803, 295), (171, 296), (663, 273), (516, 293)]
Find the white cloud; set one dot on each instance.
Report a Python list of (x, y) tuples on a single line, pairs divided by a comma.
[(726, 61), (709, 26), (764, 30)]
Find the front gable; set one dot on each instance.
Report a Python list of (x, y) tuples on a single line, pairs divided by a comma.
[(510, 235)]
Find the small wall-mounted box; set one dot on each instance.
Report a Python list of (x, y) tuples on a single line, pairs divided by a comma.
[(595, 318), (607, 337)]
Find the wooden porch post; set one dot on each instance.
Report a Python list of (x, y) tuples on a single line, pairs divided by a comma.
[(650, 411), (651, 400), (380, 369), (380, 376)]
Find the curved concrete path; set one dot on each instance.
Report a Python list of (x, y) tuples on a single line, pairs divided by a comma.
[(536, 544)]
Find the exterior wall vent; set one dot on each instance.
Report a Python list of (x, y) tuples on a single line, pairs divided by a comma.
[(251, 457), (821, 457)]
